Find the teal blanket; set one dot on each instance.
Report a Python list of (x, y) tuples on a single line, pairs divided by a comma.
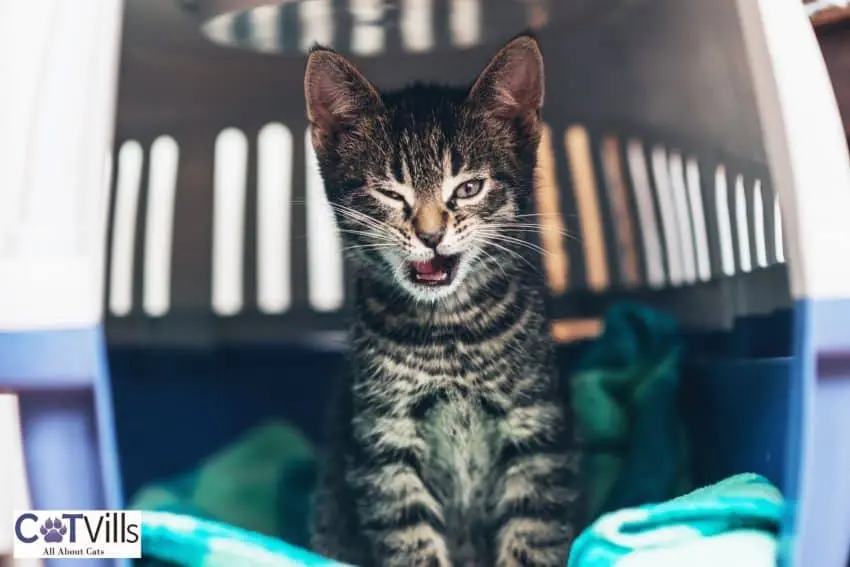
[(733, 522), (730, 523), (191, 541)]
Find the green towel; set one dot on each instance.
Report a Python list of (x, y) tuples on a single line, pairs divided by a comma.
[(733, 522), (262, 482), (624, 395)]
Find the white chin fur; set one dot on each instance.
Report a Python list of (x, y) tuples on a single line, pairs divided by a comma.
[(428, 294)]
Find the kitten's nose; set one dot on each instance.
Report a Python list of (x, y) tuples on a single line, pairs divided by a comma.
[(429, 224), (431, 239)]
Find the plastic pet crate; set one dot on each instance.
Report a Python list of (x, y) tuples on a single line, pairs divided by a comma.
[(693, 148)]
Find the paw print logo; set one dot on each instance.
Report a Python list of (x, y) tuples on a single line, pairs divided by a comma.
[(53, 530)]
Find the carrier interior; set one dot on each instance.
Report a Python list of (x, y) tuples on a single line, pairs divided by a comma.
[(653, 159)]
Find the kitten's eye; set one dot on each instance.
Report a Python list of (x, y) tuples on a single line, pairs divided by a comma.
[(469, 189), (391, 195)]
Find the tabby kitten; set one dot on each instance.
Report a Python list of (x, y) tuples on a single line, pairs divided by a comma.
[(450, 447)]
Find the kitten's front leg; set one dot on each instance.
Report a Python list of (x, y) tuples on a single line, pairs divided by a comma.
[(537, 497), (397, 513)]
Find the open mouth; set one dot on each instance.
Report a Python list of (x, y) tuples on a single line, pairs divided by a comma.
[(438, 271)]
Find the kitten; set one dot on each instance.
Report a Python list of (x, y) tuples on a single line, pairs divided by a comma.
[(450, 447)]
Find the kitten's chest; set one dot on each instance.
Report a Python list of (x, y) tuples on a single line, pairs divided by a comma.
[(461, 438)]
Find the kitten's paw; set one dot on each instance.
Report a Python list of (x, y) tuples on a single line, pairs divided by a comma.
[(525, 542), (424, 558), (416, 546)]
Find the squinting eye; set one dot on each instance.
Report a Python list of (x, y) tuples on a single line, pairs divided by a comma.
[(469, 189), (391, 194)]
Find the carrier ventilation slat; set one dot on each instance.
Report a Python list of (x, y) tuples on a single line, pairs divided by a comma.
[(368, 27), (646, 216)]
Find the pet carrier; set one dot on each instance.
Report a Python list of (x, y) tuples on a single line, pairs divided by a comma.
[(693, 148)]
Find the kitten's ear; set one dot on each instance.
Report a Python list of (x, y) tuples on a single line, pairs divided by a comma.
[(511, 86), (336, 94)]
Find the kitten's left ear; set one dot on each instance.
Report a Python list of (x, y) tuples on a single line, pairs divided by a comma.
[(511, 86)]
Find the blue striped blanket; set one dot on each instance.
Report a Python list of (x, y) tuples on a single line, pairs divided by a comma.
[(717, 525)]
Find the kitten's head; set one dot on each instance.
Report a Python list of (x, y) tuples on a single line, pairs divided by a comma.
[(429, 184)]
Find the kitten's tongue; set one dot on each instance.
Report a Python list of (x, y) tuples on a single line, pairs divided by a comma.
[(432, 270)]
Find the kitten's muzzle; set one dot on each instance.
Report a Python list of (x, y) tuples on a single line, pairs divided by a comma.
[(438, 271)]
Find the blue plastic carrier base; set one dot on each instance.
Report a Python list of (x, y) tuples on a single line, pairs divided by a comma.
[(62, 383)]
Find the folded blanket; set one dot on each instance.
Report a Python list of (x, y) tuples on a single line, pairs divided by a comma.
[(197, 542), (624, 394), (733, 522)]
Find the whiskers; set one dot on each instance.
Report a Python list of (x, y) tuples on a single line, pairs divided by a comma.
[(508, 238), (368, 246), (541, 227), (484, 239), (378, 235)]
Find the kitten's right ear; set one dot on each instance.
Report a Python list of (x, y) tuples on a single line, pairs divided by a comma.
[(337, 94)]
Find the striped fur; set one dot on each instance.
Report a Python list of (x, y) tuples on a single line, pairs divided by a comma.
[(448, 445)]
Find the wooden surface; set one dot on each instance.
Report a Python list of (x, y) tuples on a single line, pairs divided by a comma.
[(832, 27), (830, 16)]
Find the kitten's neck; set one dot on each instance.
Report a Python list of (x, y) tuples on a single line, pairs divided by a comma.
[(476, 306)]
